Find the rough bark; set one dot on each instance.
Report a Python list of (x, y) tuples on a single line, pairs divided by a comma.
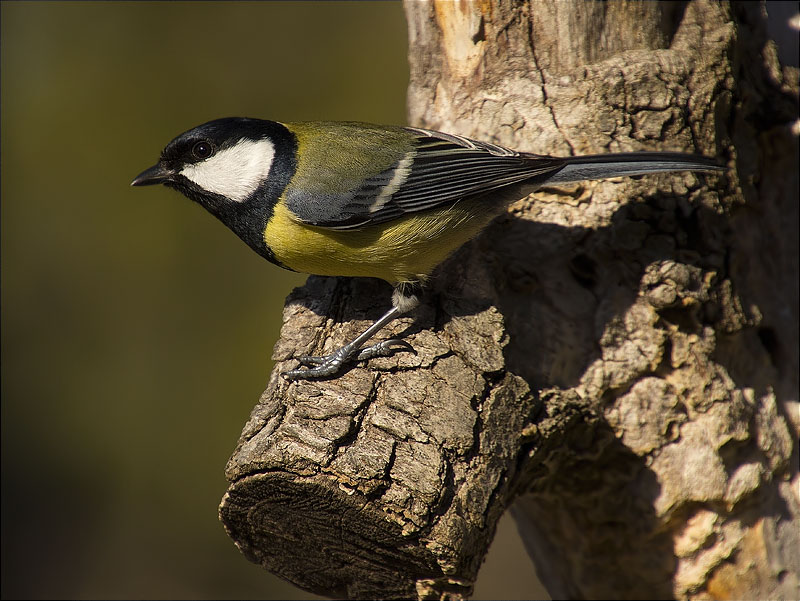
[(619, 357)]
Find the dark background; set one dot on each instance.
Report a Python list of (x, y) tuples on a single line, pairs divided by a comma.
[(136, 330)]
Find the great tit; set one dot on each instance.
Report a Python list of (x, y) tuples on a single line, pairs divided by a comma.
[(354, 199)]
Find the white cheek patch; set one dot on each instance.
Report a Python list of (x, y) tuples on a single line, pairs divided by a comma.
[(234, 172)]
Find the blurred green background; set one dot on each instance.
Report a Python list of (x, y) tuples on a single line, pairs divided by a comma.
[(136, 330)]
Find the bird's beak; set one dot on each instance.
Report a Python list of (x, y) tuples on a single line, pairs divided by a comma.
[(157, 174)]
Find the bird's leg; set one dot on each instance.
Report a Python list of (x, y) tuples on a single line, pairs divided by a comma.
[(322, 367), (404, 299)]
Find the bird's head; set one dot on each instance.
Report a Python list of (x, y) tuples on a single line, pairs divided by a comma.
[(221, 161), (236, 168)]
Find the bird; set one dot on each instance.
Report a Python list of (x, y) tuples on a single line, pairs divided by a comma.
[(356, 199)]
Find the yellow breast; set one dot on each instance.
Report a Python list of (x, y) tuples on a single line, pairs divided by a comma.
[(405, 249)]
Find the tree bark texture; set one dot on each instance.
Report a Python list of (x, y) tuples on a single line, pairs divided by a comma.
[(619, 357)]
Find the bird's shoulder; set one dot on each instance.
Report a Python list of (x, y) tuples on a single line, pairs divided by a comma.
[(337, 155)]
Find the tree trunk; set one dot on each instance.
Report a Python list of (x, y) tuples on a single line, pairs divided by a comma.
[(619, 357)]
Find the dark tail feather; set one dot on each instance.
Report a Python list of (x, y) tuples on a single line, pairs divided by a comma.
[(602, 166)]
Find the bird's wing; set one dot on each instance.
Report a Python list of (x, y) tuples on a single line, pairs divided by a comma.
[(439, 169)]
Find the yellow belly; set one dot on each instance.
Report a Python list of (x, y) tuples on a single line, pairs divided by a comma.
[(406, 249)]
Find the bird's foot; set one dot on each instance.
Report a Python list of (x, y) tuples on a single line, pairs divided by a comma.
[(330, 365)]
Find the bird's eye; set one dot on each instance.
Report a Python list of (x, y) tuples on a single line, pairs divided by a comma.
[(202, 150)]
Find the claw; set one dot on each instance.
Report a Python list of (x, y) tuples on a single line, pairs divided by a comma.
[(385, 348), (312, 373), (322, 367), (322, 370), (311, 361)]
